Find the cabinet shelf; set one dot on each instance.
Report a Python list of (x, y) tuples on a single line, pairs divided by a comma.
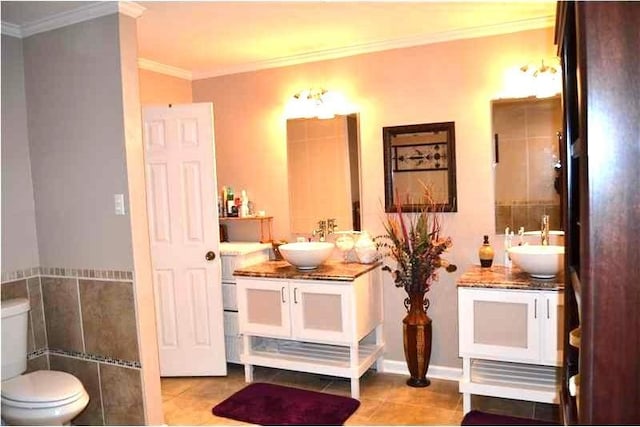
[(312, 357), (266, 224), (513, 380)]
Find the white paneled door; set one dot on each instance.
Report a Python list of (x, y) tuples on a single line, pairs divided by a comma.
[(184, 238)]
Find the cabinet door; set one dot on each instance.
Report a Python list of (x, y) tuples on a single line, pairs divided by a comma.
[(321, 312), (553, 330), (263, 307), (500, 325)]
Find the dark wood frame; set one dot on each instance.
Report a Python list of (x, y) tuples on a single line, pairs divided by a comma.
[(598, 44), (388, 133)]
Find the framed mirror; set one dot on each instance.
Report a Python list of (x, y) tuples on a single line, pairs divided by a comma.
[(526, 162), (415, 155), (324, 173)]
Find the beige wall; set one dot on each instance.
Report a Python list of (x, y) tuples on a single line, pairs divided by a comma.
[(156, 88), (83, 113), (19, 241), (76, 138), (452, 81)]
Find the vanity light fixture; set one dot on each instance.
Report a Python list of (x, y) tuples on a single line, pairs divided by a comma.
[(320, 103), (546, 79)]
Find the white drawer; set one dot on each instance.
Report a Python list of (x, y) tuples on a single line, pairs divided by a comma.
[(232, 262), (228, 265), (231, 324), (229, 297), (233, 347), (232, 339)]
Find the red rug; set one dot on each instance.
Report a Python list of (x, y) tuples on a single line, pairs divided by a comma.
[(479, 418), (276, 405)]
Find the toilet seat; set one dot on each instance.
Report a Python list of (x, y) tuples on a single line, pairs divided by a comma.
[(41, 389)]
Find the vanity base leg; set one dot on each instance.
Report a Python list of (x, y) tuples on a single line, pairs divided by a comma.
[(248, 373), (379, 342), (466, 377), (355, 388), (466, 402)]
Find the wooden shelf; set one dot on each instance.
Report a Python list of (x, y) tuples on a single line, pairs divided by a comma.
[(245, 218), (266, 224)]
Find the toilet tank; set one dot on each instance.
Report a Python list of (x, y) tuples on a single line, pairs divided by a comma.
[(15, 314)]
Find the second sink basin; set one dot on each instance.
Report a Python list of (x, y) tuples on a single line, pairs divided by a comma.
[(541, 262), (306, 255)]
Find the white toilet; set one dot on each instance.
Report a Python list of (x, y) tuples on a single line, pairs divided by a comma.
[(39, 397)]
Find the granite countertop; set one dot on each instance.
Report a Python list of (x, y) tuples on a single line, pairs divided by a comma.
[(501, 277), (241, 248), (330, 270)]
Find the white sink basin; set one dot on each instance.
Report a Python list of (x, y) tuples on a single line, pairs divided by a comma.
[(541, 262), (306, 255)]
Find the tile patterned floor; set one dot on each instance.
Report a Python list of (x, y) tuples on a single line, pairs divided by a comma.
[(385, 398)]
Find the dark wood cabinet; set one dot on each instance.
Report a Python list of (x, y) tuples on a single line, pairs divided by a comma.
[(599, 46)]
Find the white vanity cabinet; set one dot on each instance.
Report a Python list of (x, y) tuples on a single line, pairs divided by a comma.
[(300, 310), (514, 325), (316, 324), (510, 337), (236, 255)]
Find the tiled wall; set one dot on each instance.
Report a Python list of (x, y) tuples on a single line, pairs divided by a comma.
[(527, 215), (83, 322), (525, 174)]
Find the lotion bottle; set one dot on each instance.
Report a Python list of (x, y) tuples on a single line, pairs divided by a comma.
[(486, 253), (244, 205)]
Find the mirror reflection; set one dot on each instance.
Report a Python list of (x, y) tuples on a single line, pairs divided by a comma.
[(324, 173), (527, 167)]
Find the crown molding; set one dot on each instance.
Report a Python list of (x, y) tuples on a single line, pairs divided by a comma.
[(132, 9), (80, 14), (323, 55), (147, 64), (10, 29)]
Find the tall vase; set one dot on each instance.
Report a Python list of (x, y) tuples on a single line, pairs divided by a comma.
[(416, 328)]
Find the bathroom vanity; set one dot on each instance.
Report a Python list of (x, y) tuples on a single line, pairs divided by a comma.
[(324, 321), (236, 255), (510, 335)]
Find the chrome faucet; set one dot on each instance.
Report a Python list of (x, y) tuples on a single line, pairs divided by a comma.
[(331, 225), (544, 230), (325, 227), (321, 231)]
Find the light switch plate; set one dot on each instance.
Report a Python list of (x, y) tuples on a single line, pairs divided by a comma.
[(118, 200)]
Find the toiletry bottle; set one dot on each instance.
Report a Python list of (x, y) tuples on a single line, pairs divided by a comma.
[(223, 208), (507, 246), (486, 253), (244, 205), (230, 202), (236, 207)]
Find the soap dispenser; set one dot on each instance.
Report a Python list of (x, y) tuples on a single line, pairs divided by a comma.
[(486, 253)]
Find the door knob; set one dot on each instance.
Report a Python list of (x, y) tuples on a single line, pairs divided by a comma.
[(210, 256)]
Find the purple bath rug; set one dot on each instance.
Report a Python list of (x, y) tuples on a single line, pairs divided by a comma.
[(478, 418), (276, 405)]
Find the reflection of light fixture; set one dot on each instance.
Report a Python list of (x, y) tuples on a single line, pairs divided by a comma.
[(319, 103), (545, 79)]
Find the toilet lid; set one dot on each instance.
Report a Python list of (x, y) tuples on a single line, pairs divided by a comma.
[(42, 386)]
